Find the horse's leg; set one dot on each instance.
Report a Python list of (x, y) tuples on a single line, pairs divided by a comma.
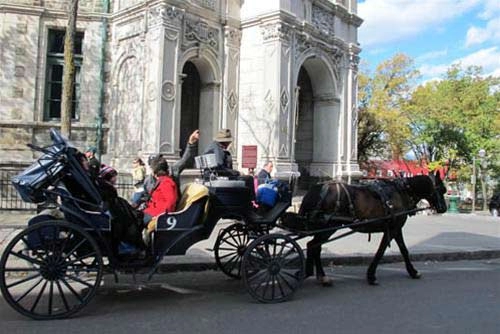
[(398, 236), (314, 258), (370, 274)]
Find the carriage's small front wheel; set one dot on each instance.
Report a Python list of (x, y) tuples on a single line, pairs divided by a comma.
[(229, 248), (50, 270), (273, 268)]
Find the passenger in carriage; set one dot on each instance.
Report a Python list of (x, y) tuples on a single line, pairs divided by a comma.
[(165, 192), (151, 182), (164, 195)]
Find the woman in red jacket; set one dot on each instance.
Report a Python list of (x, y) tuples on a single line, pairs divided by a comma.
[(164, 195)]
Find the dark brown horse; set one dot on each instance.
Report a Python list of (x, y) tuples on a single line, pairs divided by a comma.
[(391, 201)]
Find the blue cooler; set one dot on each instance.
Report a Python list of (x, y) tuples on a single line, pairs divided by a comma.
[(267, 194)]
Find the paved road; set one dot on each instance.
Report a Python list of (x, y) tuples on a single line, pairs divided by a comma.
[(452, 297), (438, 237)]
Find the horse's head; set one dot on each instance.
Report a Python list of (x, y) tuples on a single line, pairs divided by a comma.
[(436, 198)]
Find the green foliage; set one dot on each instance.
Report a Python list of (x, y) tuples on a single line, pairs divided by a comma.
[(383, 97), (448, 120), (455, 117)]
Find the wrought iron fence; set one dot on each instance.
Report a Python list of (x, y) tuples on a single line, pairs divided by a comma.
[(10, 199)]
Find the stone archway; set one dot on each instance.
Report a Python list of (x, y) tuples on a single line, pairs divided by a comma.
[(190, 103), (317, 116), (304, 133), (201, 86)]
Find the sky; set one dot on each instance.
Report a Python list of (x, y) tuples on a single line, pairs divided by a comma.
[(434, 33)]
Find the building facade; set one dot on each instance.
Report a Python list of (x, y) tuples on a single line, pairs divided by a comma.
[(281, 74)]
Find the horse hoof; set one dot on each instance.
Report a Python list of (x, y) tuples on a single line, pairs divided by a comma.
[(372, 281), (325, 281), (416, 275)]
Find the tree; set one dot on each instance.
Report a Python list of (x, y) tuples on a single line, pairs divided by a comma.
[(69, 71), (382, 121), (370, 141), (453, 118)]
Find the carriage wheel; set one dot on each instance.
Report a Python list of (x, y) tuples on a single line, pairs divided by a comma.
[(50, 270), (273, 268), (230, 247)]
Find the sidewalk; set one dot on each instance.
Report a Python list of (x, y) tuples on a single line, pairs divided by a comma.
[(428, 238)]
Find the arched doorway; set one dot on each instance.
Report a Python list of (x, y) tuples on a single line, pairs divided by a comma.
[(304, 136), (317, 119), (190, 103)]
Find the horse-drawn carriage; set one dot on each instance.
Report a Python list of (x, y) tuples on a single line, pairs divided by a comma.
[(53, 268)]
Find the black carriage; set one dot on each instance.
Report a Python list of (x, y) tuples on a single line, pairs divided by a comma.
[(53, 268)]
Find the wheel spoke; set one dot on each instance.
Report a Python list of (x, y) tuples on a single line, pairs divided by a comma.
[(279, 285), (226, 255), (51, 292), (76, 279), (74, 249), (17, 270), (232, 260), (65, 302), (255, 259), (29, 290), (230, 243), (81, 258), (26, 258), (23, 280), (286, 282), (294, 276), (226, 249), (257, 275), (72, 290), (39, 296), (236, 241)]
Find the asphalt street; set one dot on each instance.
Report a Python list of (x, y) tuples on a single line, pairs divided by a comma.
[(451, 297)]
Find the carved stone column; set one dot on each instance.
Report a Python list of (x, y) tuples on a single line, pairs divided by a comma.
[(163, 40), (277, 38), (230, 106)]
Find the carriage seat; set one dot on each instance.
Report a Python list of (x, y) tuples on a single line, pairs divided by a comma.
[(191, 210)]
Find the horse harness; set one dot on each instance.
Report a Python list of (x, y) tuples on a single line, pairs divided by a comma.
[(378, 187)]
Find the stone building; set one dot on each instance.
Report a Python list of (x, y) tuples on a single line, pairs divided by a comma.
[(281, 74)]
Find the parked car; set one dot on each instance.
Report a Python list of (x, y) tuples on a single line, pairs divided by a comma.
[(494, 205)]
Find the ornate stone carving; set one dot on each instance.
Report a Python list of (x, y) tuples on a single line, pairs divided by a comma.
[(130, 29), (196, 30), (232, 102), (233, 36), (168, 90), (162, 14), (19, 71), (323, 20), (275, 31), (151, 91), (210, 4), (269, 101), (284, 100), (353, 62)]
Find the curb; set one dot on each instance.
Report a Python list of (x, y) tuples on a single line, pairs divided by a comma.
[(351, 260)]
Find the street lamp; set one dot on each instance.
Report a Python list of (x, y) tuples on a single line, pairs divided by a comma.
[(482, 168), (482, 175)]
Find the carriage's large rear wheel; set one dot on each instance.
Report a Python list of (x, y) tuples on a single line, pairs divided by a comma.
[(50, 270), (229, 248), (273, 268)]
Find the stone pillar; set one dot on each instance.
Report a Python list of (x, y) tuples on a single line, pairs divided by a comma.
[(230, 104), (352, 116), (163, 42), (326, 123), (278, 62)]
